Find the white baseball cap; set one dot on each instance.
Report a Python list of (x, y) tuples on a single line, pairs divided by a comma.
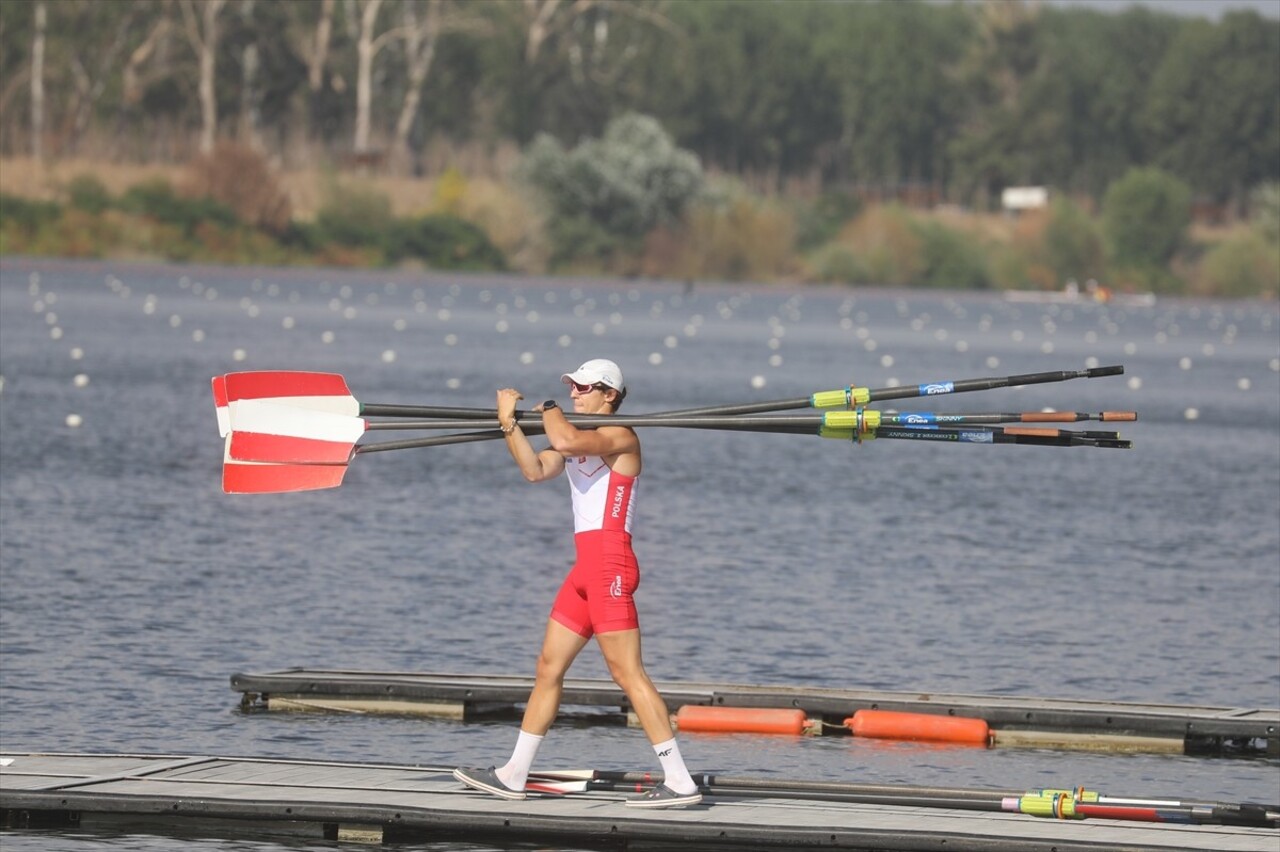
[(598, 371)]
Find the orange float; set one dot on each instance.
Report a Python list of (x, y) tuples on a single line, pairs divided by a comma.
[(742, 720), (892, 725)]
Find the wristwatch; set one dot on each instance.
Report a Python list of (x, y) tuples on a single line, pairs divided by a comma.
[(550, 404)]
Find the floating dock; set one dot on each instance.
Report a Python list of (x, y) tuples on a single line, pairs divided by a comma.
[(1014, 721), (378, 803)]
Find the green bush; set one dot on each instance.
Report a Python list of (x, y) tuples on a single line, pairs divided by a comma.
[(25, 214), (355, 217), (87, 193), (836, 263), (951, 259), (1265, 213), (819, 222), (626, 183), (1145, 215), (157, 200), (577, 240), (1245, 265), (443, 241), (1073, 247)]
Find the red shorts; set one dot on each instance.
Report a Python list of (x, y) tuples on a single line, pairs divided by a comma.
[(597, 596)]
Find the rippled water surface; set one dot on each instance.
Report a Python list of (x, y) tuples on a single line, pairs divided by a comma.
[(131, 587)]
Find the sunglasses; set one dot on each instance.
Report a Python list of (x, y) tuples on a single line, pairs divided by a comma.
[(586, 389)]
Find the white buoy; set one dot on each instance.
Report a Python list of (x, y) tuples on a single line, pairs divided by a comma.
[(327, 337), (1191, 414), (565, 341), (198, 335), (55, 333), (1134, 383), (388, 356), (655, 358), (992, 362), (287, 323), (886, 361), (1244, 384), (76, 353), (758, 382), (453, 384), (775, 360), (74, 420), (451, 340), (81, 380), (239, 355), (1184, 363), (526, 357)]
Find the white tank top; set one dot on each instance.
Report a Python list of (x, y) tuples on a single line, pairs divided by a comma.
[(602, 499)]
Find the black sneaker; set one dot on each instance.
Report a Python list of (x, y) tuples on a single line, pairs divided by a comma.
[(488, 781), (663, 796)]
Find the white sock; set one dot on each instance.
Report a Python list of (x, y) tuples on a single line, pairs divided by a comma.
[(675, 774), (516, 771)]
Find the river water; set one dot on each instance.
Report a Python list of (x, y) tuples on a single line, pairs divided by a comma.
[(131, 587)]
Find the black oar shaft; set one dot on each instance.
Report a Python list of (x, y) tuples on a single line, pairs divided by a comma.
[(901, 392), (911, 391)]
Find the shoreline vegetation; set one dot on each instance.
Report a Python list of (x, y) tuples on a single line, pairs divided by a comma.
[(232, 207)]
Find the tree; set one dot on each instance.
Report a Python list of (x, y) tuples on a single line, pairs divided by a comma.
[(423, 26), (1213, 112), (1144, 216), (202, 32), (367, 48), (37, 82)]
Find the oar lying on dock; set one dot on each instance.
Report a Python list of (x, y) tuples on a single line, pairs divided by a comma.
[(1063, 804), (329, 392)]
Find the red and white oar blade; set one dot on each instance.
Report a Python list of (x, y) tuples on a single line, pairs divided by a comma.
[(220, 405), (301, 389), (263, 431), (241, 477)]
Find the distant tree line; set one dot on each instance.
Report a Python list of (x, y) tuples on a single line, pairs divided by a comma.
[(891, 99)]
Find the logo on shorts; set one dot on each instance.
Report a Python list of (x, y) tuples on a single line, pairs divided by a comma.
[(615, 588)]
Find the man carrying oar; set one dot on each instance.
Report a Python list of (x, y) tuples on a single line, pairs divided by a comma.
[(596, 598)]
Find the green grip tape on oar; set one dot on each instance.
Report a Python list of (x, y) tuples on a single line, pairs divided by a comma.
[(842, 398), (1055, 805)]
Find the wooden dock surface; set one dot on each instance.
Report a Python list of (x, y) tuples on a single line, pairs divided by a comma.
[(384, 803), (1037, 722)]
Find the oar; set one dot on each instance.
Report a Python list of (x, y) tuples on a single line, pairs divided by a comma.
[(329, 392), (1079, 804), (852, 397), (326, 392), (301, 476), (267, 432), (250, 477)]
